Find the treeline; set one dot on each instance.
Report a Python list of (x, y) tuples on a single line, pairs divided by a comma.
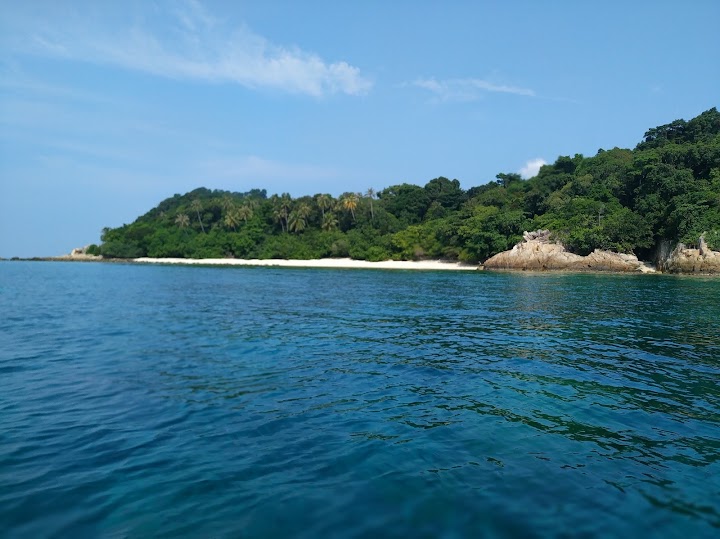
[(666, 189)]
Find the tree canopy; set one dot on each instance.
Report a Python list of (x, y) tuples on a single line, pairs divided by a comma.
[(665, 189)]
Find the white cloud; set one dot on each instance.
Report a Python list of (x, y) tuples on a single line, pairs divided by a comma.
[(193, 44), (467, 89), (532, 167)]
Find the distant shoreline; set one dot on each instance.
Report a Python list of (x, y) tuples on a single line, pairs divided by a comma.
[(339, 263)]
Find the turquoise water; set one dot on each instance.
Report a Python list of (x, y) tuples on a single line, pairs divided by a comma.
[(140, 401)]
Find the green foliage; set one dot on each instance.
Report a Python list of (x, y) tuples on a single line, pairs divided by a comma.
[(119, 249), (417, 242), (406, 202), (488, 231), (667, 188), (445, 193), (712, 238), (362, 241)]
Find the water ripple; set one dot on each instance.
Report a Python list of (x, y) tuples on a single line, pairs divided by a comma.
[(224, 402)]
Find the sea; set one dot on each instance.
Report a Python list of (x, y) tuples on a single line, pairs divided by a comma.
[(212, 402)]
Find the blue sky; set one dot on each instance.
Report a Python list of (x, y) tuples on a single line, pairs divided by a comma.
[(106, 108)]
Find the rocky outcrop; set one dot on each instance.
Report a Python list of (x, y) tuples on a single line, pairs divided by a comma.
[(684, 260), (80, 253), (600, 260), (533, 254), (537, 252)]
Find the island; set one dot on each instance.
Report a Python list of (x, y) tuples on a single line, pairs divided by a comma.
[(654, 207)]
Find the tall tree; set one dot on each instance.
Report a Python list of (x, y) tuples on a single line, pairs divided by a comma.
[(329, 222), (281, 206), (304, 210), (182, 220), (407, 202), (232, 218), (349, 201), (370, 193), (324, 202), (245, 212), (280, 215), (296, 222), (196, 206), (227, 203)]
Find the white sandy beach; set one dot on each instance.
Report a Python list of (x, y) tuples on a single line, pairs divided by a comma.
[(346, 263)]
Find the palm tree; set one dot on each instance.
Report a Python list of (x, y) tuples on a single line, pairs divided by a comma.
[(298, 217), (324, 202), (196, 205), (329, 222), (245, 212), (304, 210), (349, 201), (232, 218), (182, 220), (227, 203), (296, 223), (286, 201), (280, 214), (370, 193)]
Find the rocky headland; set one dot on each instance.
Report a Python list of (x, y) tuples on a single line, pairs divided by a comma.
[(537, 252), (685, 260)]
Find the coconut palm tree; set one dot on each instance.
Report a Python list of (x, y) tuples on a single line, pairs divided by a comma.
[(324, 202), (182, 220), (349, 201), (196, 206), (245, 212), (280, 215), (329, 222), (232, 218), (304, 210), (227, 203), (286, 201), (281, 212), (370, 193), (297, 221)]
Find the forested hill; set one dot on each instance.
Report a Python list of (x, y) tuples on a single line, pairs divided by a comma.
[(667, 188)]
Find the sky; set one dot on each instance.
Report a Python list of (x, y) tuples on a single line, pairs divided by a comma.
[(107, 108)]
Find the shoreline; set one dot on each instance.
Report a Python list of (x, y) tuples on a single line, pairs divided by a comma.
[(331, 263), (346, 263)]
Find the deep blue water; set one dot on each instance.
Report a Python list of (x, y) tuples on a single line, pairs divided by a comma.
[(144, 401)]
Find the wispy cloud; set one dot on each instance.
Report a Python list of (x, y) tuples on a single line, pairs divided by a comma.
[(467, 89), (14, 83), (532, 167), (190, 43)]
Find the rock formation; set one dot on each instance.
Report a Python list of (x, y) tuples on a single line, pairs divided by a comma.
[(537, 252), (79, 253), (684, 260)]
